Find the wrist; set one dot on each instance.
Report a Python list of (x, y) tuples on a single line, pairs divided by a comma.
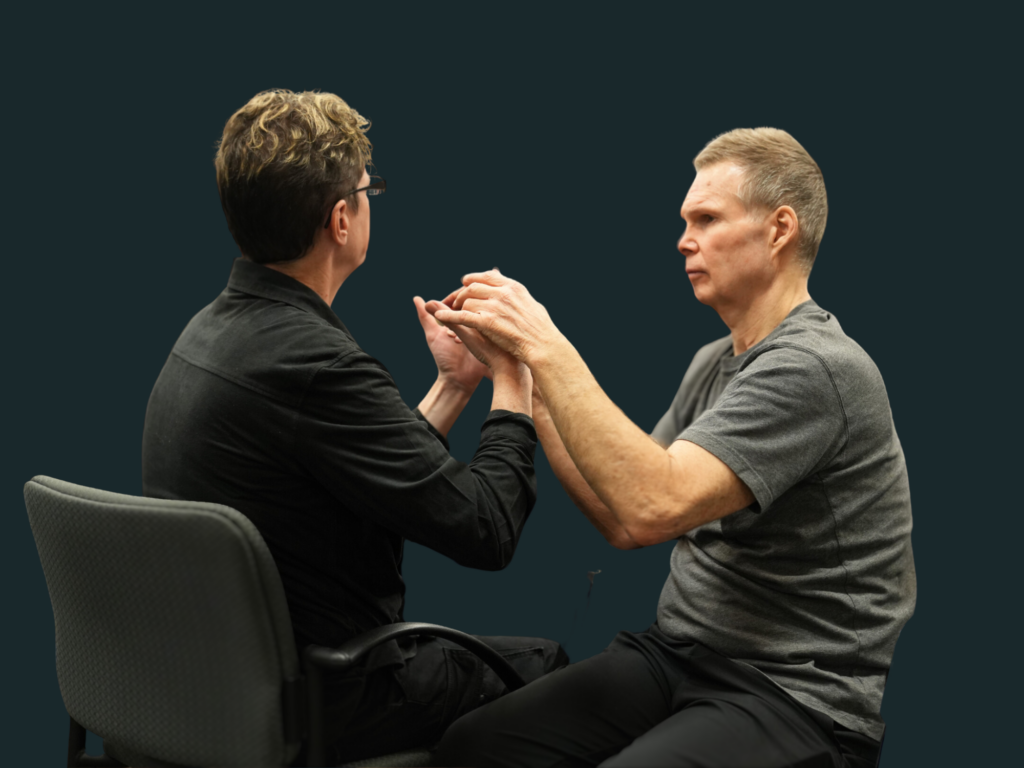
[(449, 383), (513, 372), (513, 385), (443, 403), (540, 408), (543, 355)]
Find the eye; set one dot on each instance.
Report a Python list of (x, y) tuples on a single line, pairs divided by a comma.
[(707, 218)]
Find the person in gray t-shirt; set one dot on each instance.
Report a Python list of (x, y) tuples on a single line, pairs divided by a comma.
[(778, 469)]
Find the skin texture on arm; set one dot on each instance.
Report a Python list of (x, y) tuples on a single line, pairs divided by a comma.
[(463, 357), (744, 263), (655, 494), (512, 387), (458, 374), (572, 481)]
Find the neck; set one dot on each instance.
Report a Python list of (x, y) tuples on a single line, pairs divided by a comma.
[(319, 271), (756, 319)]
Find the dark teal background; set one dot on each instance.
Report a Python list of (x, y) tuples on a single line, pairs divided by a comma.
[(556, 144)]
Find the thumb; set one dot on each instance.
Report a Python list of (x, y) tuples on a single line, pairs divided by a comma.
[(431, 308), (421, 310)]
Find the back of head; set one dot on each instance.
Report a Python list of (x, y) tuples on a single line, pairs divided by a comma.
[(777, 171), (284, 159)]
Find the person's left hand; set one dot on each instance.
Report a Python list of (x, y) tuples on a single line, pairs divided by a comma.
[(503, 311), (454, 362)]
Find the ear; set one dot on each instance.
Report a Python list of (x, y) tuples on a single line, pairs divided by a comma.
[(340, 222), (783, 228)]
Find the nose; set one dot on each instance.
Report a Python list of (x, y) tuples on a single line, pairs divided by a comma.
[(686, 245)]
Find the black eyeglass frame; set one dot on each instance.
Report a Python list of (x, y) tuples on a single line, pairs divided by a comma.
[(377, 188)]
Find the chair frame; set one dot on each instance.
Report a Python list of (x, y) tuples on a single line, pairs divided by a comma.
[(303, 697), (302, 705)]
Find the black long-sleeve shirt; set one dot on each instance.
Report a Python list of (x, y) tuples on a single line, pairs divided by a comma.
[(267, 404)]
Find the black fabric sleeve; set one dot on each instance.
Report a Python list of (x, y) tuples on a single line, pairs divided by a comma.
[(385, 463), (433, 430)]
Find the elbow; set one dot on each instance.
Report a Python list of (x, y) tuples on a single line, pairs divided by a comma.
[(497, 558), (619, 537), (500, 561), (654, 525), (484, 564), (623, 541), (642, 536)]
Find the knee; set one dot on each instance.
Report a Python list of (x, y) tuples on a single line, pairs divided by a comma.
[(555, 657), (561, 659), (469, 740)]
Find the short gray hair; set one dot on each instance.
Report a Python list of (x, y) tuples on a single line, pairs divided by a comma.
[(777, 171)]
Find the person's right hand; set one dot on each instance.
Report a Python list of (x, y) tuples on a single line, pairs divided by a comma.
[(504, 311), (484, 350)]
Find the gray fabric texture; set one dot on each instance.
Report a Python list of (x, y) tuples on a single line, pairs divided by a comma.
[(813, 582), (172, 631)]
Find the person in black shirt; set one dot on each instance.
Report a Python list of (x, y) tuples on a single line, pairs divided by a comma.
[(268, 405)]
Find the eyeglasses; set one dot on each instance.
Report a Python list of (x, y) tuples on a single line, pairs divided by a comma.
[(377, 188)]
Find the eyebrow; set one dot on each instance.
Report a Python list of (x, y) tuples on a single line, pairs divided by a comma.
[(701, 206)]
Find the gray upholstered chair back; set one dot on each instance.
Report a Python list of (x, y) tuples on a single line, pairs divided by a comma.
[(172, 630)]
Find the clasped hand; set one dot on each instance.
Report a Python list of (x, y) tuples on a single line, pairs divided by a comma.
[(455, 363), (497, 310)]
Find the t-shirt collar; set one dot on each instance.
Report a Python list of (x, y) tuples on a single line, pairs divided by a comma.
[(732, 363)]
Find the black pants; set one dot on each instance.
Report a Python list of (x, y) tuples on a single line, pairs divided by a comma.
[(410, 706), (650, 700)]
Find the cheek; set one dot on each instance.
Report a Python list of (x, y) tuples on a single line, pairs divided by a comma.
[(746, 248), (726, 247)]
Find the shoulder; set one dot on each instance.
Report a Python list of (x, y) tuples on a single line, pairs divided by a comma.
[(812, 337), (702, 365), (711, 353), (706, 359), (269, 346)]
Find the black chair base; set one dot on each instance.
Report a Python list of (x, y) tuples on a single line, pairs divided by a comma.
[(77, 757)]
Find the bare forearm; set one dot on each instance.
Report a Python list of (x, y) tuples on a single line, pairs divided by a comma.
[(572, 481), (513, 387), (654, 493), (615, 459), (442, 405)]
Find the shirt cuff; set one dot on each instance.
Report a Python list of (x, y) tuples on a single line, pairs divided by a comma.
[(433, 431), (500, 418)]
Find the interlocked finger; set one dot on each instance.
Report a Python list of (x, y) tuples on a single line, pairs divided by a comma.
[(490, 277), (475, 291), (477, 306)]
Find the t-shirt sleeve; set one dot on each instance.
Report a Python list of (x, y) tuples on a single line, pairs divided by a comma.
[(383, 461), (667, 430), (779, 421), (676, 417)]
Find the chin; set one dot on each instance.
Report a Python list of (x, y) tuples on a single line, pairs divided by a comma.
[(703, 296)]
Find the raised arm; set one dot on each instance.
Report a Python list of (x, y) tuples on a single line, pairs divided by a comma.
[(655, 494), (459, 373), (572, 481)]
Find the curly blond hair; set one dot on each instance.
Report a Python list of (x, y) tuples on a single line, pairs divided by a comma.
[(284, 159), (777, 171)]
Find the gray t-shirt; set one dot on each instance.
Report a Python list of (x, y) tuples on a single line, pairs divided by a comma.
[(812, 583)]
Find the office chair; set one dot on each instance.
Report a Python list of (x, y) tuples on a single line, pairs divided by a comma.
[(173, 638)]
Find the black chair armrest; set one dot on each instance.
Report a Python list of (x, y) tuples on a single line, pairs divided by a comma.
[(352, 652), (317, 659)]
